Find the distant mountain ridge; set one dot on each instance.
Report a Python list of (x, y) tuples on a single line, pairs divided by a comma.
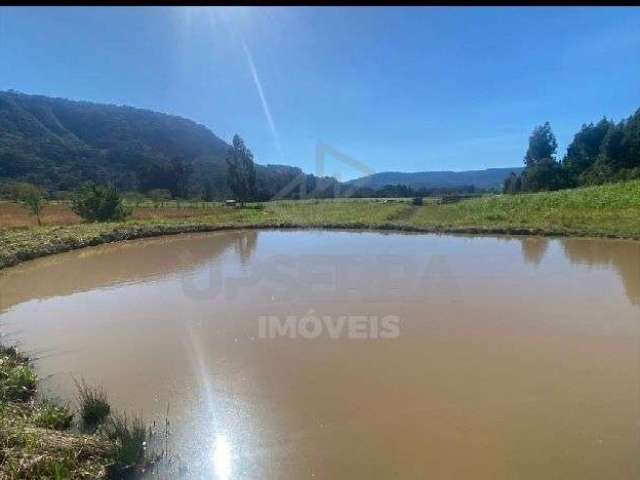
[(60, 144), (481, 179)]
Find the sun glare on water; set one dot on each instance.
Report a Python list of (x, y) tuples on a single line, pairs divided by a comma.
[(221, 458)]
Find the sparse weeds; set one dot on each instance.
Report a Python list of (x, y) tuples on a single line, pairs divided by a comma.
[(34, 444), (129, 435)]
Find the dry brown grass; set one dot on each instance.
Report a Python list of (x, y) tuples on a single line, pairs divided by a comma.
[(14, 215)]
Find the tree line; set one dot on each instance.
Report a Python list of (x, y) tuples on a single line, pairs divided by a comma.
[(599, 153), (101, 202), (241, 179)]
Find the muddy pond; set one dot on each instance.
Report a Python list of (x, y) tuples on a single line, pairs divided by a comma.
[(341, 355)]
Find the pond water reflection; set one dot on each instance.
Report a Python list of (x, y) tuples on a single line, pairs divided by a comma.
[(515, 357)]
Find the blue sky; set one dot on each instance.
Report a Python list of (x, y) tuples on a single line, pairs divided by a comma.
[(405, 89)]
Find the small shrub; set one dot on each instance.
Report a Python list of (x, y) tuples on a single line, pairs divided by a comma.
[(31, 197), (17, 381), (100, 203), (130, 437), (11, 354), (55, 417), (417, 201), (17, 378), (94, 404)]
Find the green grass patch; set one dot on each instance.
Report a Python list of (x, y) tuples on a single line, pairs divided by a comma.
[(17, 377), (49, 415), (93, 404)]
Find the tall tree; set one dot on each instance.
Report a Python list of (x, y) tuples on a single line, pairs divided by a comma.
[(631, 142), (545, 174), (611, 157), (241, 171), (585, 148), (542, 144), (542, 171)]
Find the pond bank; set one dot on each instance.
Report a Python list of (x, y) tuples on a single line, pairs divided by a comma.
[(36, 437), (606, 211), (21, 245)]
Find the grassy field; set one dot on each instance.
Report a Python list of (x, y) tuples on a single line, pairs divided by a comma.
[(608, 210)]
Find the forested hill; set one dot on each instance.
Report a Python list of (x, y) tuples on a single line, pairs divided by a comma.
[(60, 144), (482, 179)]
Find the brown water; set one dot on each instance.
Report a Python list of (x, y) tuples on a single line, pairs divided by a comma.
[(513, 359)]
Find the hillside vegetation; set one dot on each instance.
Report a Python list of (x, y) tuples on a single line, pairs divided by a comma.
[(60, 144), (599, 153)]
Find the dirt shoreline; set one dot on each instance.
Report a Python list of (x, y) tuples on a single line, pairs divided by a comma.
[(120, 234)]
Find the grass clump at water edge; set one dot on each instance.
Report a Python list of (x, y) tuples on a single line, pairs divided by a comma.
[(93, 403), (129, 435)]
